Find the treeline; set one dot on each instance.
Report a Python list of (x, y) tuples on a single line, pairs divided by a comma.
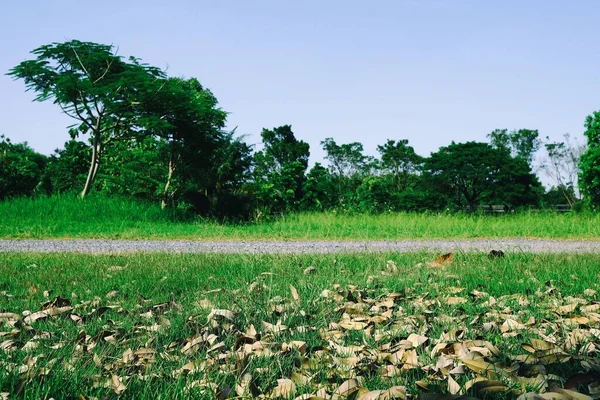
[(142, 134)]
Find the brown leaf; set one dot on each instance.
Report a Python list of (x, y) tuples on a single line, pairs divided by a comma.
[(36, 316), (294, 293), (285, 389), (478, 366), (310, 270), (347, 388), (566, 309), (395, 392), (453, 387), (453, 300), (353, 325), (445, 258), (417, 340), (274, 328), (483, 388), (227, 314), (410, 360), (243, 385), (117, 384)]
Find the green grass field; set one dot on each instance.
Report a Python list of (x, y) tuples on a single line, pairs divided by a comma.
[(98, 217), (215, 326)]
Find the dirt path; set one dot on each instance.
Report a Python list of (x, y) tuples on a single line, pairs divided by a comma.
[(277, 247)]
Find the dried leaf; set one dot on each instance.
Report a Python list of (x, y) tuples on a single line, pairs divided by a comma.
[(453, 387), (285, 389), (452, 301), (294, 293), (310, 270), (227, 314), (243, 385), (478, 366)]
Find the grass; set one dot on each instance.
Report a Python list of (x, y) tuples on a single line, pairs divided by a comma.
[(141, 325), (99, 217)]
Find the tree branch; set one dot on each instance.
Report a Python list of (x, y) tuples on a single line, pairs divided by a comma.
[(81, 118), (64, 110), (105, 72), (81, 63)]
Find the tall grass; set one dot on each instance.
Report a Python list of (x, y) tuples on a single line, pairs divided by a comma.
[(101, 217)]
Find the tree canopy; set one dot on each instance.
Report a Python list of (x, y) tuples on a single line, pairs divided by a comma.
[(472, 173), (102, 91), (590, 161), (143, 134)]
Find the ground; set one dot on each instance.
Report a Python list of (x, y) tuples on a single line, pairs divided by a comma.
[(345, 325)]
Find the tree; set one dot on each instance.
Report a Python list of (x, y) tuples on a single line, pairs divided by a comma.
[(590, 161), (104, 93), (472, 172), (280, 168), (522, 143), (400, 160), (134, 169), (377, 194), (67, 167), (21, 169), (233, 161), (231, 164), (348, 165), (193, 134), (318, 190), (346, 160), (562, 166)]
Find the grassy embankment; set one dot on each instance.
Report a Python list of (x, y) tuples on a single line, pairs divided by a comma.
[(144, 326), (98, 217)]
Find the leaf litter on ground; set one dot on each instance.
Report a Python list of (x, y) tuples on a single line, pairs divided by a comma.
[(349, 342)]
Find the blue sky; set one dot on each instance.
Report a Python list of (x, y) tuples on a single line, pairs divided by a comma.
[(430, 71)]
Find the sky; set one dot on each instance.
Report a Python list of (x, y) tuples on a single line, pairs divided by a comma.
[(429, 71)]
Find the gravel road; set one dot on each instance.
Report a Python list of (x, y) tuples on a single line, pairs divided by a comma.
[(279, 247)]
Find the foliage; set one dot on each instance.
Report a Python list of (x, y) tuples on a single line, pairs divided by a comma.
[(163, 139), (193, 134), (91, 84), (590, 161), (133, 168), (401, 161), (377, 194), (522, 143), (21, 169), (345, 160), (319, 190), (231, 165), (279, 169), (470, 173), (556, 195), (348, 166), (67, 167)]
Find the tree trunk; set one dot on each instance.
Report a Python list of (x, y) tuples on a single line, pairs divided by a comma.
[(94, 164), (567, 195), (165, 196)]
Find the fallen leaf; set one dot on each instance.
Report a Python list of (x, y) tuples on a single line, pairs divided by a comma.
[(295, 295), (285, 389)]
